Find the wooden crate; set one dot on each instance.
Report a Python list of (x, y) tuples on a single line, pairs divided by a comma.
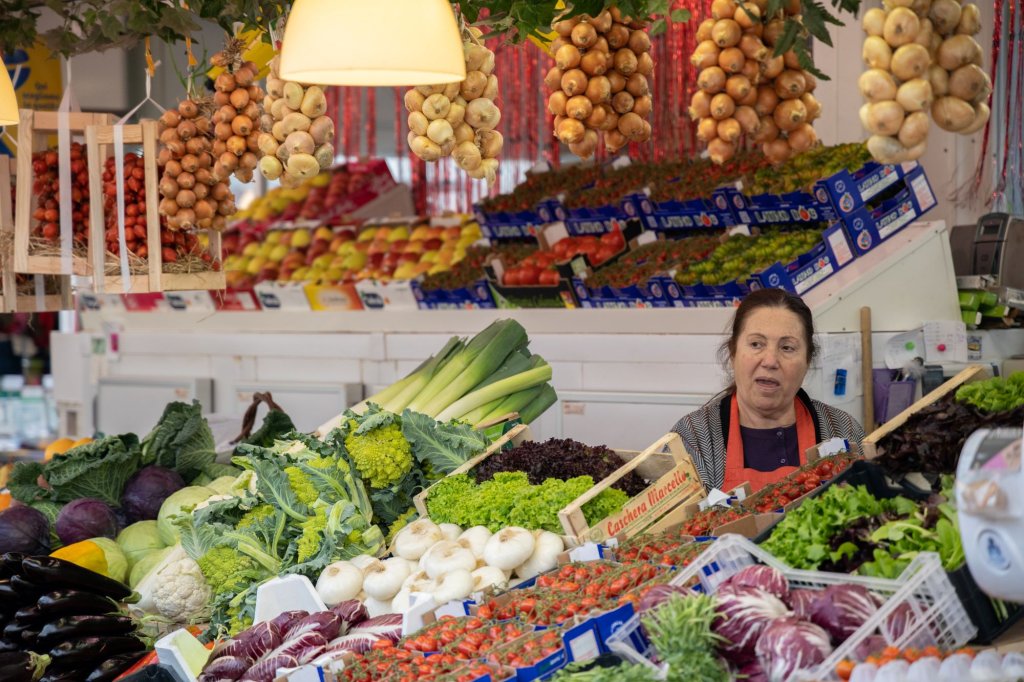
[(100, 146), (10, 299), (673, 483), (34, 129), (969, 375)]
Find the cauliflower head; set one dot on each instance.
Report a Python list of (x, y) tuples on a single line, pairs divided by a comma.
[(383, 456), (174, 589)]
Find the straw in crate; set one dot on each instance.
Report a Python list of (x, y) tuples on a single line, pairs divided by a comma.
[(919, 609)]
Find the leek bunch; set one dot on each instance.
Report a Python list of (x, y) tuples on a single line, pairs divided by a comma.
[(475, 381)]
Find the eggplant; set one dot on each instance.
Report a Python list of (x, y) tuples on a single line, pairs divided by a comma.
[(111, 669), (69, 675), (27, 591), (22, 633), (48, 570), (75, 603), (75, 627), (8, 645), (94, 649), (21, 666), (30, 614), (10, 563)]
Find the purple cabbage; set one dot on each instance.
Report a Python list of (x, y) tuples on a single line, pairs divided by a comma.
[(254, 643), (790, 644), (324, 623), (311, 653), (800, 601), (388, 626), (769, 579), (743, 614), (870, 646), (351, 612), (842, 609), (659, 594), (84, 519), (225, 668), (297, 646), (285, 621), (266, 670), (146, 491), (357, 644), (24, 530)]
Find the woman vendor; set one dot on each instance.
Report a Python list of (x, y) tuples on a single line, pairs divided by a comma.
[(758, 429)]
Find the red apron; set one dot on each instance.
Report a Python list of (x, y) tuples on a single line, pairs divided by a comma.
[(736, 472)]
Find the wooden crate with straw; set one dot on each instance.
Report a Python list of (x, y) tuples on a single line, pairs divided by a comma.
[(32, 253), (149, 272), (19, 293)]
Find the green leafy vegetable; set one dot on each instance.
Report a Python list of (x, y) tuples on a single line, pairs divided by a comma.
[(181, 440), (508, 499), (98, 469), (444, 447), (998, 394), (276, 425)]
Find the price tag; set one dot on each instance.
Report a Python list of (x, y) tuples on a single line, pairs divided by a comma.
[(584, 647), (190, 301), (715, 498), (833, 447), (589, 551), (646, 238)]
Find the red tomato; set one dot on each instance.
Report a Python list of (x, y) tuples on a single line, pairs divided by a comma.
[(548, 278), (560, 249), (513, 277), (603, 254), (529, 275), (614, 239)]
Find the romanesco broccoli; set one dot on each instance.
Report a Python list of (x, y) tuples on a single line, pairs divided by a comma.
[(301, 485), (312, 535), (255, 515), (227, 571), (383, 456)]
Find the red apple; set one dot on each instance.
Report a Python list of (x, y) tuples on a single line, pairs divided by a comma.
[(398, 246), (379, 246), (409, 257), (452, 232), (432, 244)]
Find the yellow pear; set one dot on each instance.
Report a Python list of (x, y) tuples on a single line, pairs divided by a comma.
[(301, 238), (255, 265), (272, 237), (398, 233), (251, 249)]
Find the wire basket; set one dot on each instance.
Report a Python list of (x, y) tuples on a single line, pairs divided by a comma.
[(919, 609)]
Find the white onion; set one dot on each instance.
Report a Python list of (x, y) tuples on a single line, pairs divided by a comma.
[(475, 539), (450, 531), (455, 585), (339, 582), (375, 607), (383, 579), (509, 548), (547, 547), (447, 556), (489, 576), (413, 541)]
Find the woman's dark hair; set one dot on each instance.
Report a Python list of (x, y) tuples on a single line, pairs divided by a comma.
[(770, 298)]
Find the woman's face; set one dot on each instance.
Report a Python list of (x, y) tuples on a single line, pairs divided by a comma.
[(770, 361)]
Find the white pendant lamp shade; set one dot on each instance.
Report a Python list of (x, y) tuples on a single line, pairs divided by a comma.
[(372, 42), (8, 102)]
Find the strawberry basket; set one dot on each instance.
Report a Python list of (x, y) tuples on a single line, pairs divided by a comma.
[(919, 609)]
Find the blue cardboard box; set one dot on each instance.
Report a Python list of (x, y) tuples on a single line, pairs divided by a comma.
[(501, 225), (775, 209), (551, 211), (476, 297), (672, 216), (848, 191), (833, 253), (583, 221), (869, 227)]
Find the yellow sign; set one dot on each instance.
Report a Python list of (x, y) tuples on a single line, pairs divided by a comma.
[(544, 40), (36, 76)]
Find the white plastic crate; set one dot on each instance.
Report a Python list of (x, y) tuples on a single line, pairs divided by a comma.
[(938, 619)]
